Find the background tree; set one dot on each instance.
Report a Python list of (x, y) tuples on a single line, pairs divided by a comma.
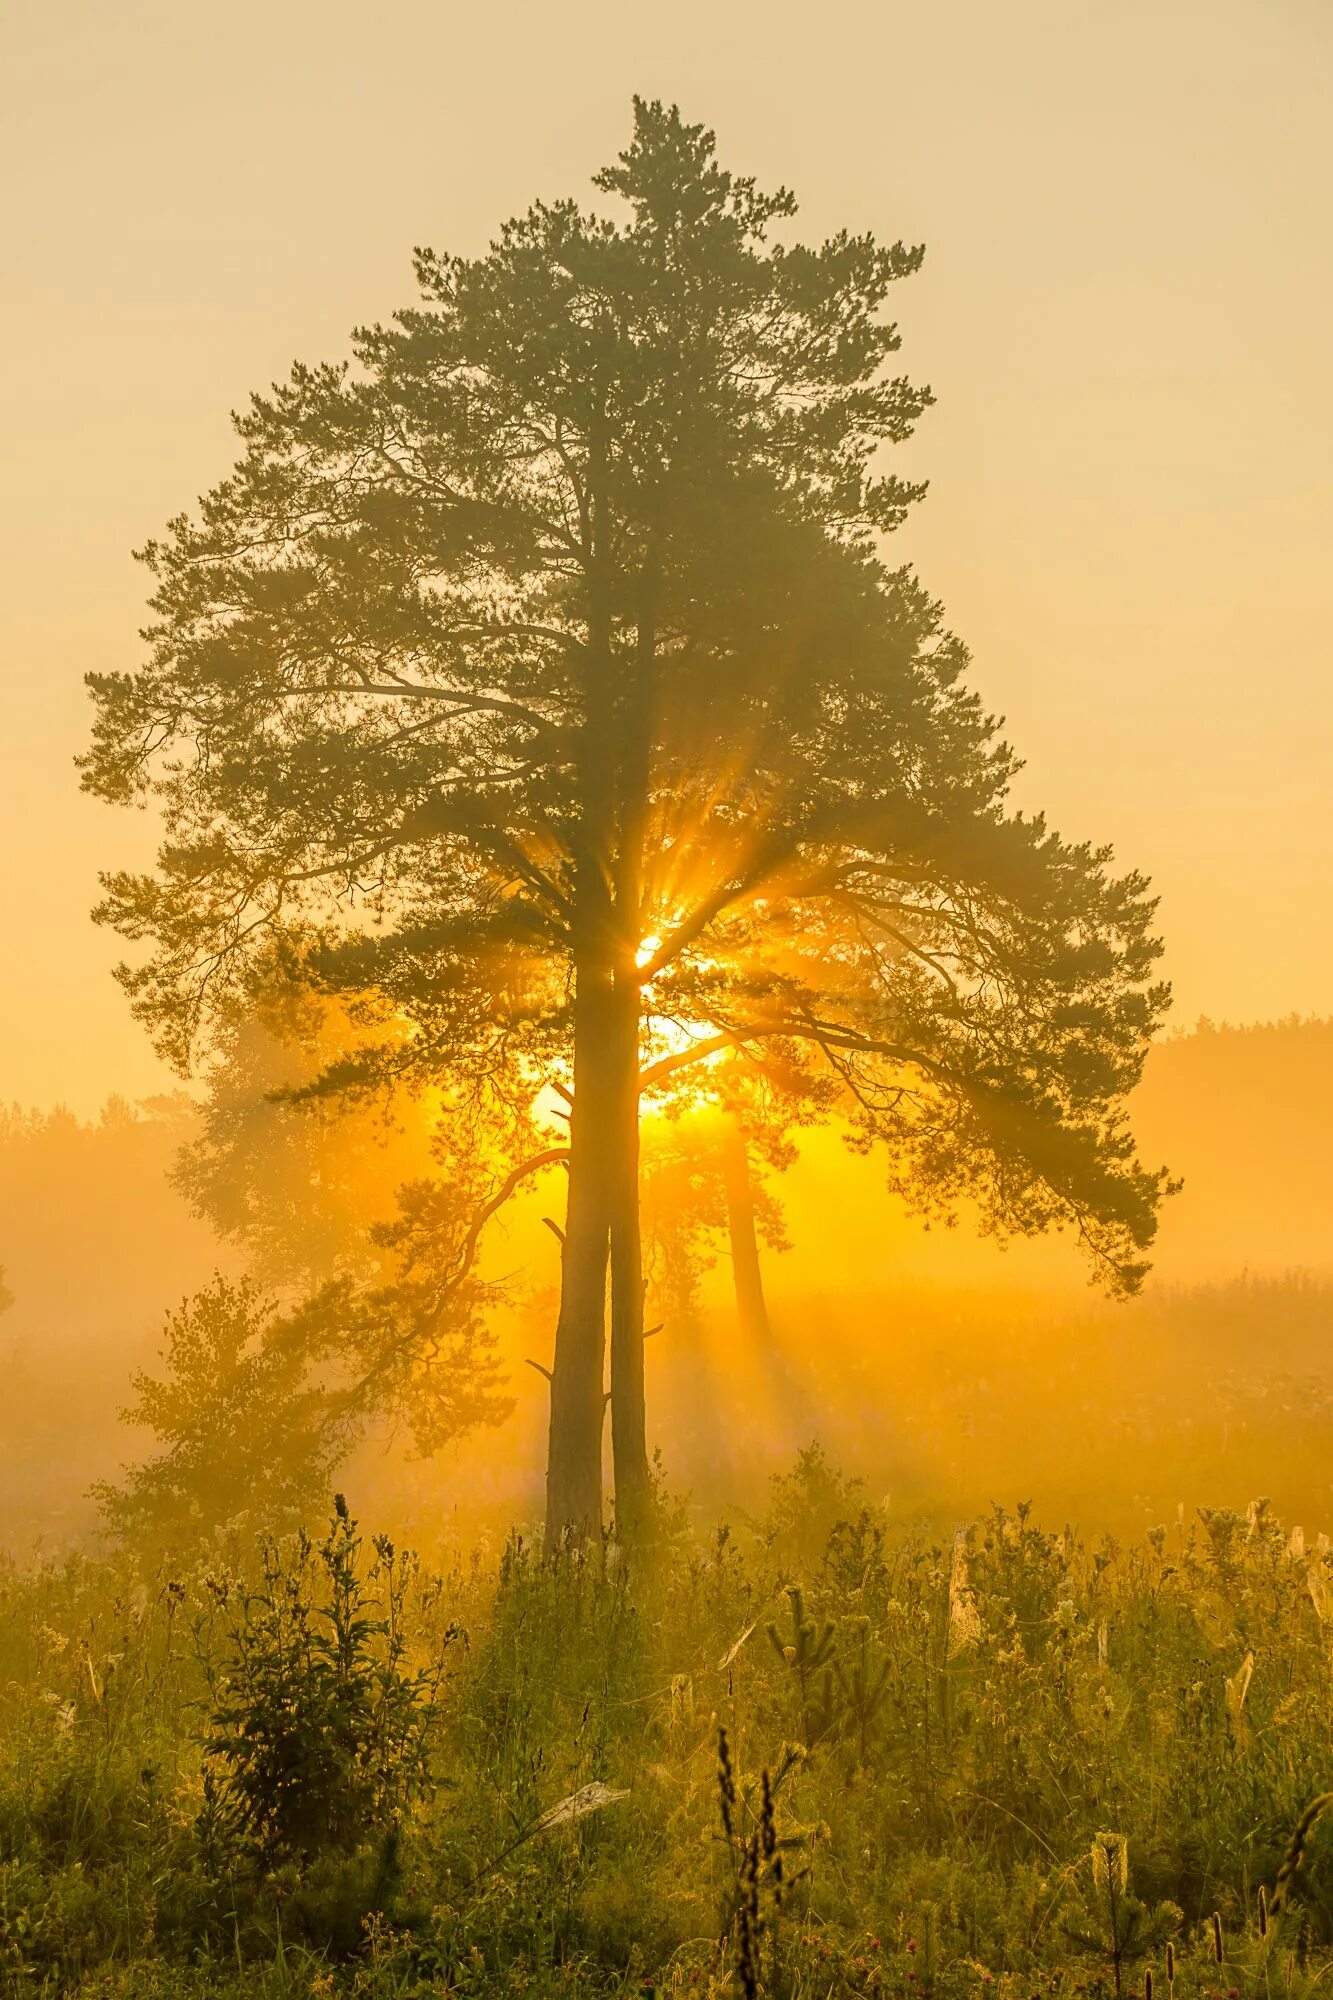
[(702, 1199), (752, 1212), (242, 1425), (353, 1199), (724, 1133), (256, 1407), (544, 664), (293, 1171)]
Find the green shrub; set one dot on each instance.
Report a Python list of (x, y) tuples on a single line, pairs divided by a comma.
[(320, 1736)]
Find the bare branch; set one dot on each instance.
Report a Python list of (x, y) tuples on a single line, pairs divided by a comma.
[(708, 1045)]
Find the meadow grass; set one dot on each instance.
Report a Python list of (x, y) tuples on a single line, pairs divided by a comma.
[(806, 1754)]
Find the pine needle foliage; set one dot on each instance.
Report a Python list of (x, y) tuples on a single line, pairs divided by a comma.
[(320, 1735)]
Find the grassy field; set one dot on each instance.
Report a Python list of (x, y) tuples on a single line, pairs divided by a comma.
[(804, 1755)]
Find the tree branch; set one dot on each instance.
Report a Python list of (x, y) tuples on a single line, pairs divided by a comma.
[(667, 1066)]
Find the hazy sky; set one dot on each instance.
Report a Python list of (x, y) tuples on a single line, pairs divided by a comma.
[(1125, 314)]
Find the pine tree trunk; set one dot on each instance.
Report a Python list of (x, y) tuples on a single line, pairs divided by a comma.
[(578, 1395), (574, 1461), (629, 1437), (602, 1221), (746, 1274), (629, 1432), (604, 1137)]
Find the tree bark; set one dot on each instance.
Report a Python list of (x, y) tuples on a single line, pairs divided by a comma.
[(602, 1224), (574, 1460), (578, 1395), (603, 1212), (747, 1276), (629, 1436)]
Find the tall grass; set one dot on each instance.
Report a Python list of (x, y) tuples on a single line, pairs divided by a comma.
[(1008, 1761)]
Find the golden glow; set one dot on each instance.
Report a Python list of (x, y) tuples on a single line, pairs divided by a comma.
[(1098, 432)]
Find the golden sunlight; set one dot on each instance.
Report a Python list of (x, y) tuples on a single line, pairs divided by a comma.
[(536, 1463)]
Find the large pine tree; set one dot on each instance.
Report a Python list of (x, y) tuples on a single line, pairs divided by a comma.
[(543, 666)]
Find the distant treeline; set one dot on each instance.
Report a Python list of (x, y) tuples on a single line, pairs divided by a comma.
[(1244, 1115)]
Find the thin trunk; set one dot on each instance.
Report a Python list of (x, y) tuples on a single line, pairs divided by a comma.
[(746, 1273), (574, 1462), (629, 1424), (578, 1396), (629, 1436)]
